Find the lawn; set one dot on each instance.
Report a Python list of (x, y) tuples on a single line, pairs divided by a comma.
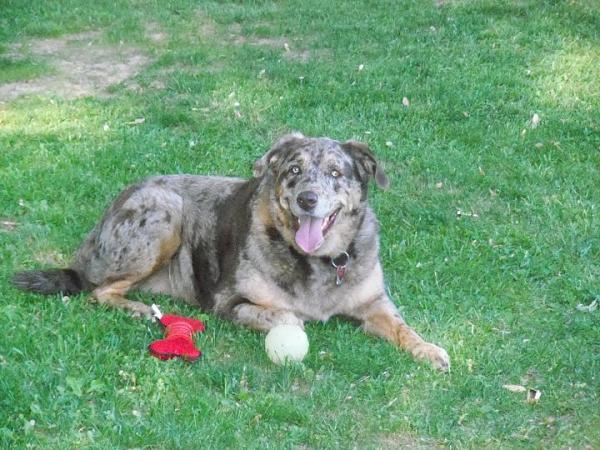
[(486, 116)]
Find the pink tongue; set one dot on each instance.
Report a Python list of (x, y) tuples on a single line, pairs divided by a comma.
[(309, 236)]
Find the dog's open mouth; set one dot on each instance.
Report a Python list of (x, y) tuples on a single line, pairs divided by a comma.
[(312, 230)]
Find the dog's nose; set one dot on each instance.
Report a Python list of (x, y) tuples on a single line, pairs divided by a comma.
[(307, 200)]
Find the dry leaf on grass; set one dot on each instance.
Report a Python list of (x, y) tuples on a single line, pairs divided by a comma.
[(535, 120), (8, 225), (460, 214), (588, 308), (533, 395), (470, 365), (514, 388)]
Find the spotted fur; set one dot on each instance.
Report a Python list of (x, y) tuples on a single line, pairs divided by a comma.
[(230, 245)]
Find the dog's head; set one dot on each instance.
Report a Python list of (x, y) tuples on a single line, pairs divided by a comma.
[(320, 189)]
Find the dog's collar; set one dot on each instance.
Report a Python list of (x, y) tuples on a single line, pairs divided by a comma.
[(340, 262)]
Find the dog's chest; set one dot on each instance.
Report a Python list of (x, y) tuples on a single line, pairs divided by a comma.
[(310, 290), (318, 302)]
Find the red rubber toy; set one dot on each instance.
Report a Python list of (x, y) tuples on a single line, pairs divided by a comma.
[(179, 337)]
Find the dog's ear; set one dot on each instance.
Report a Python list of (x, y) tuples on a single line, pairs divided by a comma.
[(366, 163), (276, 153)]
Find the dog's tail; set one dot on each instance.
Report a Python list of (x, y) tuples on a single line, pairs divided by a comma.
[(52, 281)]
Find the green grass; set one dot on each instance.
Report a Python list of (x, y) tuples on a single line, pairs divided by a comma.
[(16, 70), (497, 287)]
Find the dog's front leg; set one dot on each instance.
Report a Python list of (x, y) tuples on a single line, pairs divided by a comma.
[(261, 317), (381, 318)]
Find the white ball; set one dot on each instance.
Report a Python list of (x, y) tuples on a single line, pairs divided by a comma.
[(286, 343)]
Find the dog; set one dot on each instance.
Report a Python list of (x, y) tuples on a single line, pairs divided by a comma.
[(296, 242)]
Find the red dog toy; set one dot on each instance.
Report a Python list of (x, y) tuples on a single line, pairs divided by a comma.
[(178, 341)]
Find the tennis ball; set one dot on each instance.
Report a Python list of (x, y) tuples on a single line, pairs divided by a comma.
[(286, 343)]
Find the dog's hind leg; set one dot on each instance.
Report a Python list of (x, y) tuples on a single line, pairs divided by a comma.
[(113, 294), (137, 237)]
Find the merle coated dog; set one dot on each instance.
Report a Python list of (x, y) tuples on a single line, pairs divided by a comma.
[(296, 242)]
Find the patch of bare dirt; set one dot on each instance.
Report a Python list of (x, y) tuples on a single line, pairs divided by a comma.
[(82, 66), (291, 48), (155, 32)]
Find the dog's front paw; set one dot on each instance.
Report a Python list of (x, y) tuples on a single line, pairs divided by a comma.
[(140, 310), (437, 356)]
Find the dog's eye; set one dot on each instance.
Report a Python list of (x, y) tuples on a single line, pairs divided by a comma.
[(295, 170), (335, 173)]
